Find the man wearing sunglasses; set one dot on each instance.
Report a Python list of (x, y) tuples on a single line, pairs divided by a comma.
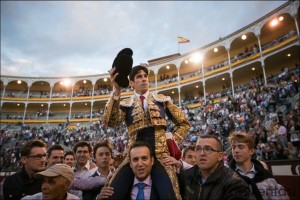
[(20, 184), (209, 178)]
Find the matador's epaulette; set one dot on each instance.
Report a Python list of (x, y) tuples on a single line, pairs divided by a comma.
[(127, 102), (161, 98)]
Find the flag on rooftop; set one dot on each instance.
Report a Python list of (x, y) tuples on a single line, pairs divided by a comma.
[(183, 40)]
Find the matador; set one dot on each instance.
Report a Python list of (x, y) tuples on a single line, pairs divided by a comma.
[(145, 118)]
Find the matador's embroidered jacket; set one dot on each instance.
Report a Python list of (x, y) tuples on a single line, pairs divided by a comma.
[(131, 111), (159, 106)]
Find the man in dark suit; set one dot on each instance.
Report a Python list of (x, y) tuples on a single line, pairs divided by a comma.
[(141, 162)]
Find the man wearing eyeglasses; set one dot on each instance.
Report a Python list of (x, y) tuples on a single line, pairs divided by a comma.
[(209, 178), (20, 184)]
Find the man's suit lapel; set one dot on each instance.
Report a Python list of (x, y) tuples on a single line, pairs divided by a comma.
[(154, 194)]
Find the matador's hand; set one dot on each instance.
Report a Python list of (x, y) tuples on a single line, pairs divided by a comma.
[(117, 88)]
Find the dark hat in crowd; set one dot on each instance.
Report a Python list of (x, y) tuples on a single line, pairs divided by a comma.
[(57, 170), (123, 64)]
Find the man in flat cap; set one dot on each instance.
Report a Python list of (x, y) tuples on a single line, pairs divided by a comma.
[(145, 116), (56, 182)]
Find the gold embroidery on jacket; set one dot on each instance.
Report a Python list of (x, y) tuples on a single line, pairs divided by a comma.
[(113, 116)]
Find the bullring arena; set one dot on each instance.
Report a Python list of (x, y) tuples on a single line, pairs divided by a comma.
[(253, 73)]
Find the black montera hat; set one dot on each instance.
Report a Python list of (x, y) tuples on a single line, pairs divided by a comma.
[(123, 64)]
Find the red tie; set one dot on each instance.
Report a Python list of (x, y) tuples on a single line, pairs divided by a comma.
[(142, 100)]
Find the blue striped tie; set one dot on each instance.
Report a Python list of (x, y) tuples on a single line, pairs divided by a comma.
[(140, 194)]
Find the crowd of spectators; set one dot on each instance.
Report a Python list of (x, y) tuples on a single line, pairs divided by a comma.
[(82, 93), (167, 79), (270, 113)]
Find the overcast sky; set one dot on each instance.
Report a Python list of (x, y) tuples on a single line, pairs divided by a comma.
[(60, 39)]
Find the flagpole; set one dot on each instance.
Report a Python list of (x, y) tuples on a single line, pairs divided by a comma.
[(178, 43), (181, 40)]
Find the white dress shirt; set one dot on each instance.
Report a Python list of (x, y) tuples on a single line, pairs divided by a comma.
[(250, 174), (145, 100)]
